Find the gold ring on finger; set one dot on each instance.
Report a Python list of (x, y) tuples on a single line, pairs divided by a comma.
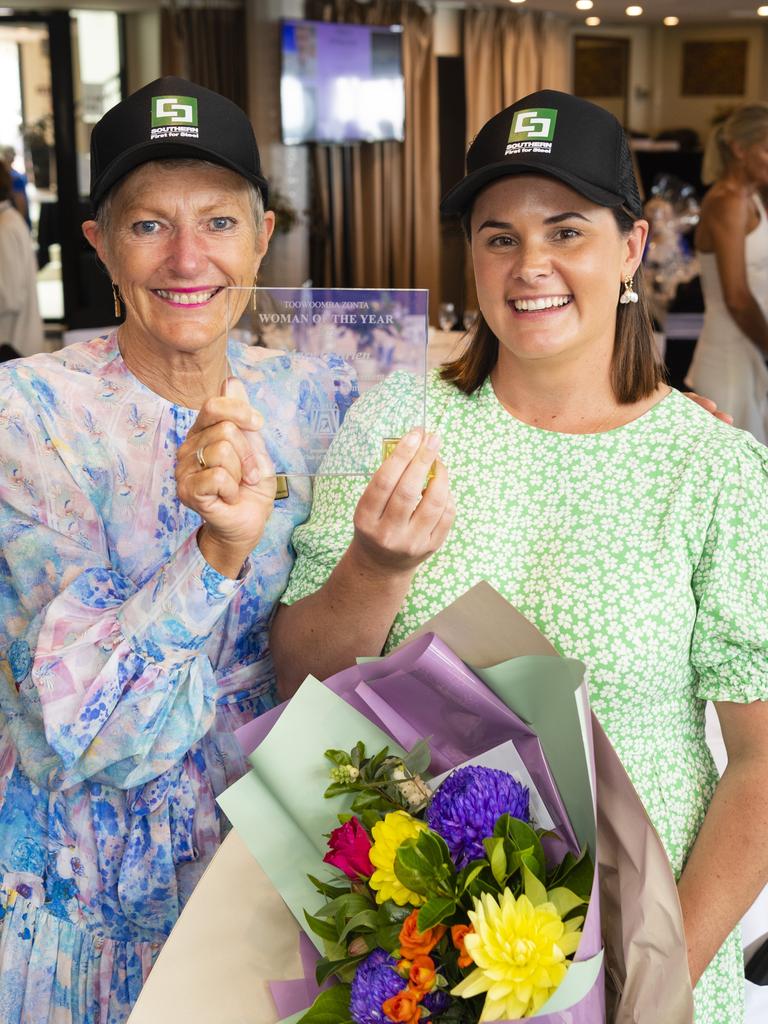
[(200, 456)]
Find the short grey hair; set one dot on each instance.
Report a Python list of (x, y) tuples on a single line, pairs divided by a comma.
[(104, 213)]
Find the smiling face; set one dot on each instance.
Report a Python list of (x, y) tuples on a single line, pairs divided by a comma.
[(548, 268), (177, 238)]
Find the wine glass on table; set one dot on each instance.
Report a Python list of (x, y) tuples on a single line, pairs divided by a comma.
[(446, 316), (468, 318)]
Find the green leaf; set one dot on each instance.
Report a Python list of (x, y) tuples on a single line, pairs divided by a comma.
[(338, 757), (337, 788), (366, 920), (325, 929), (376, 762), (424, 865), (534, 889), (418, 759), (498, 859), (368, 798), (349, 904), (468, 874), (576, 874), (564, 900), (434, 912), (328, 889), (358, 754), (388, 937), (330, 1007), (521, 839), (435, 849), (390, 912), (327, 967)]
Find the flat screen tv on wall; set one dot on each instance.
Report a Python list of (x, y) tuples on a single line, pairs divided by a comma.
[(341, 83)]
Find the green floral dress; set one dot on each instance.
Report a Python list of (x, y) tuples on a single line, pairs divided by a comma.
[(642, 551)]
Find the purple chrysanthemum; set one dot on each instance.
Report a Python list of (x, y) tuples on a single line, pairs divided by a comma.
[(468, 804), (437, 1002), (375, 981)]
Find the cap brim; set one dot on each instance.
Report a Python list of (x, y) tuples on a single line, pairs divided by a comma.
[(146, 152), (460, 197)]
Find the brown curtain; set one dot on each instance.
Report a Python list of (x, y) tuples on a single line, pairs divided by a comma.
[(376, 205), (508, 54), (207, 46)]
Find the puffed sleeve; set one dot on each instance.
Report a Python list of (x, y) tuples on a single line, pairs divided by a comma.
[(106, 678), (389, 410), (730, 639)]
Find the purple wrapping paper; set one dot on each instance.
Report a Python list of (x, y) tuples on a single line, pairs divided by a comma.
[(423, 690), (293, 996)]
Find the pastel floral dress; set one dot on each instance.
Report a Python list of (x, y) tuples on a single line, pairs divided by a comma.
[(642, 551), (126, 662)]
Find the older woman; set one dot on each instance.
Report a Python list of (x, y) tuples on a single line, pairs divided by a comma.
[(628, 525), (732, 242), (143, 551)]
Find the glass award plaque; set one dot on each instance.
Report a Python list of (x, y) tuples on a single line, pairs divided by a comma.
[(354, 339)]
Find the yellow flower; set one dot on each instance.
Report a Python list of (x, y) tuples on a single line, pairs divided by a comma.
[(388, 835), (519, 948)]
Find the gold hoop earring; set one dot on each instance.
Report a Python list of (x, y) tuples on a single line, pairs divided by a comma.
[(116, 298), (629, 294)]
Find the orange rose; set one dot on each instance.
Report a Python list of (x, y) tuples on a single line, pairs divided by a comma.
[(422, 977), (458, 931), (414, 943), (403, 968), (404, 1007)]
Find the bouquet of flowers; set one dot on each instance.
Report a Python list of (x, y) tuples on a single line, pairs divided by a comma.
[(528, 861), (444, 906)]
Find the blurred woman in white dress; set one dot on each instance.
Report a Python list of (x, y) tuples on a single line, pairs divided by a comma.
[(21, 329), (729, 363)]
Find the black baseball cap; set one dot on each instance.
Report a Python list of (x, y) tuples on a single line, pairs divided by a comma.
[(169, 119), (556, 134)]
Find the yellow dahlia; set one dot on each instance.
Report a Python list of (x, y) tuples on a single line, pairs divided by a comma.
[(388, 835), (519, 948)]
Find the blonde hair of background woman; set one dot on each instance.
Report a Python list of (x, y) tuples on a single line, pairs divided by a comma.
[(745, 126)]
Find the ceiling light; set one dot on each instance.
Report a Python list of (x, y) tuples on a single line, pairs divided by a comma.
[(517, 1), (584, 5), (671, 20), (634, 11), (763, 12), (593, 22)]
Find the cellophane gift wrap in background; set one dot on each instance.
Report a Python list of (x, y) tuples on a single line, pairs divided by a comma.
[(235, 938)]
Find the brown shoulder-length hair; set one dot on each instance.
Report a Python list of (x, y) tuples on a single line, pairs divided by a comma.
[(636, 370)]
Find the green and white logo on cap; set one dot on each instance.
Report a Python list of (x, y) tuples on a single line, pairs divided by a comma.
[(174, 110), (531, 131), (533, 125), (174, 117)]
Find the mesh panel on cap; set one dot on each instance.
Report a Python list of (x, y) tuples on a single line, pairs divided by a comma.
[(628, 181)]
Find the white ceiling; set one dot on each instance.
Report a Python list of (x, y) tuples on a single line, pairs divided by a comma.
[(612, 11), (688, 11)]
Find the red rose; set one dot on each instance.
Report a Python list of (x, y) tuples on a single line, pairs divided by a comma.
[(349, 847)]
